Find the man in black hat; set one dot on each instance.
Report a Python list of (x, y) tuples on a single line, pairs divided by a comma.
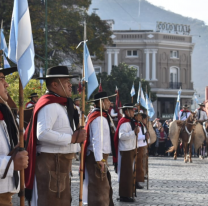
[(141, 148), (201, 115), (184, 113), (33, 100), (52, 135), (99, 144), (9, 179), (125, 143)]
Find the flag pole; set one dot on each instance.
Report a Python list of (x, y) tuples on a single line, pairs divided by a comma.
[(82, 124), (21, 141)]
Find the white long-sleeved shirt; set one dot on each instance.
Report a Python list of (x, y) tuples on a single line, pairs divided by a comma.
[(185, 115), (113, 114), (97, 145), (54, 133), (202, 115), (7, 184), (140, 139), (127, 137)]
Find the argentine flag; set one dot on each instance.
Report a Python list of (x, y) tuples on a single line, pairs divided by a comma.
[(177, 108), (132, 91), (89, 72), (6, 63), (150, 108), (195, 98), (141, 99), (21, 47), (3, 45)]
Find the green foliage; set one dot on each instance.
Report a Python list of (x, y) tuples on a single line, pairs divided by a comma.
[(65, 28), (123, 77), (32, 86)]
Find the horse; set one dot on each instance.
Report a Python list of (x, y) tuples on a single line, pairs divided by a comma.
[(183, 130)]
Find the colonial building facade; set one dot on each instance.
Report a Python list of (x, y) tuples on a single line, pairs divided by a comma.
[(163, 59)]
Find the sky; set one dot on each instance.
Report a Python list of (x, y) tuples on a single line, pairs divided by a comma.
[(189, 8)]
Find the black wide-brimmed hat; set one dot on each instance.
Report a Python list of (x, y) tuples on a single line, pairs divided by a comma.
[(101, 95), (58, 72), (185, 106), (201, 104), (33, 95), (128, 106), (8, 70)]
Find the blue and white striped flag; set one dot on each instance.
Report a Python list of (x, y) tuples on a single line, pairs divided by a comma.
[(142, 99), (41, 75), (90, 75), (177, 108), (6, 63), (3, 45), (132, 91), (195, 98), (21, 47), (150, 108), (139, 90)]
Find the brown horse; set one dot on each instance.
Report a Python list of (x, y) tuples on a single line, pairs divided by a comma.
[(185, 135)]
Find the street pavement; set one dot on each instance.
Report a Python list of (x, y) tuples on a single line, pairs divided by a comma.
[(171, 182)]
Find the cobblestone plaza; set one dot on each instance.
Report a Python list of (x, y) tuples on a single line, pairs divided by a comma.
[(171, 183)]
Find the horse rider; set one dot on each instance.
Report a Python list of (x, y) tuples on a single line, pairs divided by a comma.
[(201, 115), (184, 113)]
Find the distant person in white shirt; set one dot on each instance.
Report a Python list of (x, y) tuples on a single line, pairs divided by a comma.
[(97, 188), (53, 140), (201, 115), (33, 100), (9, 178), (184, 113), (113, 114)]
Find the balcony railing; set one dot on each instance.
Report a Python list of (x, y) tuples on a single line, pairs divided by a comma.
[(175, 85)]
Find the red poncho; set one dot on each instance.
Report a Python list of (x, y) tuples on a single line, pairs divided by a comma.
[(31, 149)]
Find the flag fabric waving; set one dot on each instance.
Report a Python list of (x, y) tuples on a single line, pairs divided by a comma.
[(150, 108), (132, 91), (3, 45), (195, 98), (21, 47), (6, 63), (139, 91), (89, 76), (177, 108), (142, 100), (41, 75)]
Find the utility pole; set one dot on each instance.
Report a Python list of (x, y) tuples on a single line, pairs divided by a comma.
[(46, 37)]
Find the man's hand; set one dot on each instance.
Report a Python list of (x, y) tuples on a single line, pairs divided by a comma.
[(101, 164), (136, 130), (21, 161), (79, 136)]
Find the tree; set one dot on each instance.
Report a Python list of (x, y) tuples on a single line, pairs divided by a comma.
[(65, 28), (123, 77)]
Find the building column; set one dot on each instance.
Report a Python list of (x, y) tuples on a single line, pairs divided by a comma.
[(191, 67), (154, 52), (109, 62), (116, 52), (146, 51)]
